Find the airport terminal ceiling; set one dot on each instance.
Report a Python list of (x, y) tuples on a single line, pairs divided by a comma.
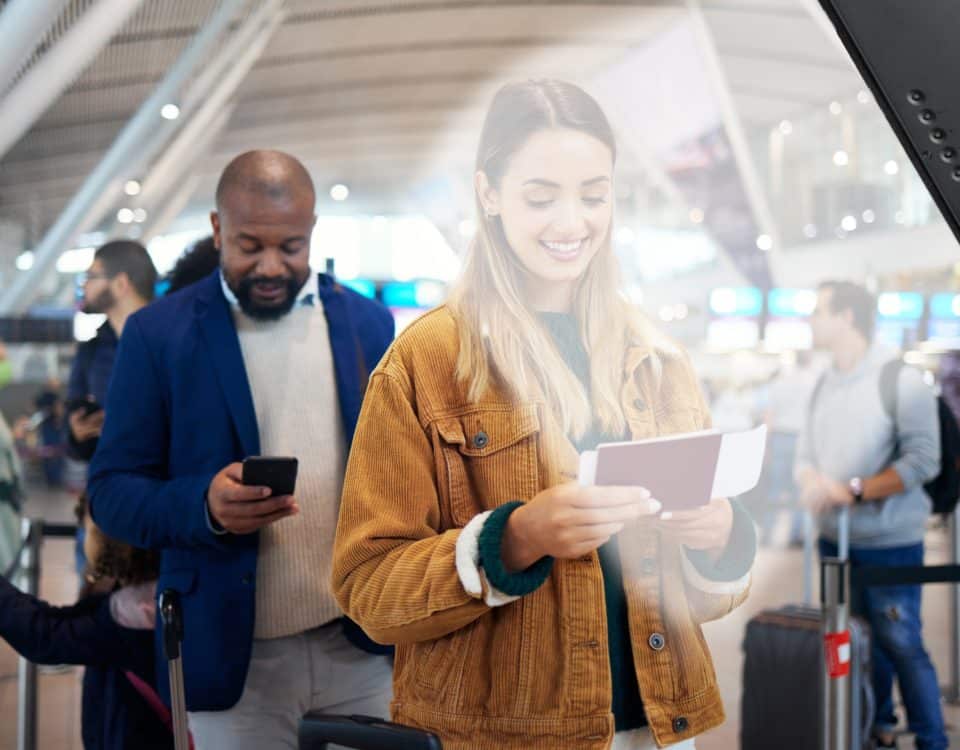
[(747, 135)]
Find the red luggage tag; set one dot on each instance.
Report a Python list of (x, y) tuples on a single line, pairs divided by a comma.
[(836, 649)]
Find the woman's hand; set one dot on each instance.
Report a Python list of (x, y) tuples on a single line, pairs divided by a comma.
[(706, 528), (569, 521)]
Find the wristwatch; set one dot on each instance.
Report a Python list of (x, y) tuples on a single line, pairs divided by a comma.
[(856, 488)]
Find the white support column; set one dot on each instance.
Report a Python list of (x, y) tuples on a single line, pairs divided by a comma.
[(752, 184), (172, 206), (140, 138), (22, 25), (191, 145), (58, 68), (213, 106)]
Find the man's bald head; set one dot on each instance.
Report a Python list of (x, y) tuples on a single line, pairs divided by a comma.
[(272, 175)]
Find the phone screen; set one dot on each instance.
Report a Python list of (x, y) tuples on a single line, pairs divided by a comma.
[(279, 473)]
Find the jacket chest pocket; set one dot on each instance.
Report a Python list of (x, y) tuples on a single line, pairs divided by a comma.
[(487, 458)]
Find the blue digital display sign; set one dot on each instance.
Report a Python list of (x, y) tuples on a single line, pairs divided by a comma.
[(945, 306), (900, 305), (736, 301), (791, 303)]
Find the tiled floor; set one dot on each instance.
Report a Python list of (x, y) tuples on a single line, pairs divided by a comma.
[(778, 580)]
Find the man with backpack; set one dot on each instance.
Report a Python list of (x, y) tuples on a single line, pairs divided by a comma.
[(872, 439)]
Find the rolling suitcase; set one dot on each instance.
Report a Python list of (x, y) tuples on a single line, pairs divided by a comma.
[(317, 730), (783, 667)]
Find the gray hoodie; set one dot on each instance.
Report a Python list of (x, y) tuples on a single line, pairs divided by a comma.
[(848, 434)]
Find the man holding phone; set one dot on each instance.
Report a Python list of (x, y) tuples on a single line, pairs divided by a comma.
[(119, 282), (262, 358)]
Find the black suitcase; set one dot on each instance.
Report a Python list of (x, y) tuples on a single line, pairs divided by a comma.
[(783, 666), (361, 733)]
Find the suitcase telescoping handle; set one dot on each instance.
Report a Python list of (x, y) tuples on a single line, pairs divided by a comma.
[(835, 598), (171, 616), (361, 733)]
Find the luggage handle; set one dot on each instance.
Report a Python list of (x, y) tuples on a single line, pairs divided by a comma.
[(362, 733), (171, 616)]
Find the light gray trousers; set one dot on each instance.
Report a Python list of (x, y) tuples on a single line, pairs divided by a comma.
[(314, 671)]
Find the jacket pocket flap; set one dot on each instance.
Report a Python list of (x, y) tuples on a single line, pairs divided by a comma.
[(181, 581), (486, 431)]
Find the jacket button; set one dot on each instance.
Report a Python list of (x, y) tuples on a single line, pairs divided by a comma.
[(639, 404), (680, 724), (247, 580), (657, 642), (648, 565), (480, 440)]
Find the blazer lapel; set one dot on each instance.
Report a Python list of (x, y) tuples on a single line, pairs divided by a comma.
[(347, 358), (220, 335)]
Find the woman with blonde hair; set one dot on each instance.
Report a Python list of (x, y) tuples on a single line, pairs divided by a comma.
[(529, 611)]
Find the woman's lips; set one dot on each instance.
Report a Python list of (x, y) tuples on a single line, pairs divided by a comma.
[(565, 251)]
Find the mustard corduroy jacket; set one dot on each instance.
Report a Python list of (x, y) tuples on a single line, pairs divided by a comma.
[(534, 672)]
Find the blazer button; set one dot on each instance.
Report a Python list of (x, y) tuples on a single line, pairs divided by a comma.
[(480, 440), (247, 580), (657, 642), (639, 404), (648, 566), (680, 724)]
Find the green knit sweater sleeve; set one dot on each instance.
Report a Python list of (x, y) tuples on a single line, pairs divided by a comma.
[(490, 543)]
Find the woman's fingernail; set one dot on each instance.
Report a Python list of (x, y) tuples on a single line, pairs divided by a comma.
[(644, 493), (655, 505), (666, 515)]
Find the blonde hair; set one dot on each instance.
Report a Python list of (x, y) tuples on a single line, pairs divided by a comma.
[(501, 338)]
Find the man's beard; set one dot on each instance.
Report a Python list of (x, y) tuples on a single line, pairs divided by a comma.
[(100, 304), (244, 294)]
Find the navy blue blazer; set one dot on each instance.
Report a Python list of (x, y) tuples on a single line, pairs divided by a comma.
[(179, 410)]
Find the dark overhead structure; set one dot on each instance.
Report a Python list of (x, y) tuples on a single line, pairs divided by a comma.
[(908, 55)]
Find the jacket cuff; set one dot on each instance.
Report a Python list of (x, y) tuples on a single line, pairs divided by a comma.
[(214, 527), (491, 560), (731, 571), (474, 575)]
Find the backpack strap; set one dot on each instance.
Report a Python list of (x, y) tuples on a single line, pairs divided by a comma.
[(889, 379), (810, 407)]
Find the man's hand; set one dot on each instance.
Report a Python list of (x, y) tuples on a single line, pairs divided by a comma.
[(819, 493), (83, 427), (707, 528), (242, 509)]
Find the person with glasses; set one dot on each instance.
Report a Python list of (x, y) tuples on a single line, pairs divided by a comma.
[(119, 282)]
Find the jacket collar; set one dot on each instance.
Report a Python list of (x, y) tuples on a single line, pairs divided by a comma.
[(218, 328)]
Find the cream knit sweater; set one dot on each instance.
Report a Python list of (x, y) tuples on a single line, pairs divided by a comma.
[(291, 374)]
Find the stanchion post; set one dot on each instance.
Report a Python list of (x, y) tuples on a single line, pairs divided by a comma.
[(29, 582), (952, 691), (835, 588)]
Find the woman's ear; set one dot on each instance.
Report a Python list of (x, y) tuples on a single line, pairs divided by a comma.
[(488, 195)]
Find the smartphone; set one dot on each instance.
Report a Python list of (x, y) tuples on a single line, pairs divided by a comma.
[(87, 405), (279, 473)]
